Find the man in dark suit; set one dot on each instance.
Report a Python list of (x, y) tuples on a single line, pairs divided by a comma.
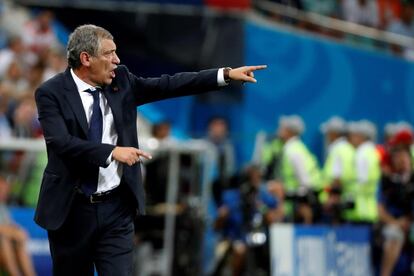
[(92, 185)]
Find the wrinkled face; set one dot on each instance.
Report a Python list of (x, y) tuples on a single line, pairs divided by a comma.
[(102, 66)]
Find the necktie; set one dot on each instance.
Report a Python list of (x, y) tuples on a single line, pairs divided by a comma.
[(96, 122), (94, 135)]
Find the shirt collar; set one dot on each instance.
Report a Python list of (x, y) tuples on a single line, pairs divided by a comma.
[(80, 84)]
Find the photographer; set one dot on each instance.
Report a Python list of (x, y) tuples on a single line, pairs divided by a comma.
[(395, 209), (245, 214)]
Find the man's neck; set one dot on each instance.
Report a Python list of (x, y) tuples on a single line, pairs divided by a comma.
[(83, 75)]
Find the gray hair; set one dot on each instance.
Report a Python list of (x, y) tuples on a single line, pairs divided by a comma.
[(85, 38)]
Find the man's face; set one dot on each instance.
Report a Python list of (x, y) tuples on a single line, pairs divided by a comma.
[(401, 161), (331, 136), (102, 65), (283, 133), (218, 129), (356, 139)]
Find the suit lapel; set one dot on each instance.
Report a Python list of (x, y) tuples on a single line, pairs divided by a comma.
[(73, 97)]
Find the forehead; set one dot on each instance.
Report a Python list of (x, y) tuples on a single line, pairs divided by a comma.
[(107, 45)]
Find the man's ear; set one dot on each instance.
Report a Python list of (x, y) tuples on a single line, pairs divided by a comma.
[(85, 59)]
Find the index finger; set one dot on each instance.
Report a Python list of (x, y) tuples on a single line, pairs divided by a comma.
[(143, 154), (256, 67)]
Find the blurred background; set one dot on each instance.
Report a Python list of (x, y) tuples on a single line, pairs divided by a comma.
[(307, 172)]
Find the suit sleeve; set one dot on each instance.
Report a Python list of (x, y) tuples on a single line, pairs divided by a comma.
[(165, 87), (58, 137)]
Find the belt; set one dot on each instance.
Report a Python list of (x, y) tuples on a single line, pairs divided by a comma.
[(99, 197)]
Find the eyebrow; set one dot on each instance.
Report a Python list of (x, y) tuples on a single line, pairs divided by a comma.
[(109, 51)]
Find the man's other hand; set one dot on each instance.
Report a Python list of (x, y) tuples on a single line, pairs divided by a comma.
[(245, 73), (129, 155)]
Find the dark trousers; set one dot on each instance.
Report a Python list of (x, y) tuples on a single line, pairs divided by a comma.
[(99, 234)]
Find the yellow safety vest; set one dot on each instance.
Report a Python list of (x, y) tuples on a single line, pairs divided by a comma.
[(289, 177), (365, 194)]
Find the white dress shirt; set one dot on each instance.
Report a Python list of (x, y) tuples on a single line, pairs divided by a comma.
[(110, 177)]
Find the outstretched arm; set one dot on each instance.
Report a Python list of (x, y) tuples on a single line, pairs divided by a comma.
[(189, 83)]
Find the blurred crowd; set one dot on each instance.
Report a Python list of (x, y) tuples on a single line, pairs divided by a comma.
[(395, 16), (30, 56), (382, 14), (30, 53), (358, 183)]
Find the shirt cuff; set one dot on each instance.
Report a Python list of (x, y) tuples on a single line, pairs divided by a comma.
[(109, 160), (220, 78)]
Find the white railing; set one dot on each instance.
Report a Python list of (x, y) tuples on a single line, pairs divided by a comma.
[(15, 144), (334, 24)]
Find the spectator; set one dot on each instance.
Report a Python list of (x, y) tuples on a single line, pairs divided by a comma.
[(299, 170), (395, 134), (367, 168), (162, 131), (35, 77), (25, 123), (218, 136), (15, 82), (55, 63), (38, 33), (364, 12), (388, 10), (390, 129), (156, 170), (291, 3), (13, 52), (395, 209), (249, 209), (5, 130), (404, 26), (324, 7), (13, 239)]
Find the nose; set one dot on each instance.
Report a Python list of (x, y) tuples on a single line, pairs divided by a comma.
[(116, 59)]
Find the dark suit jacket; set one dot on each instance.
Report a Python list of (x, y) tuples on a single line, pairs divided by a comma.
[(71, 156)]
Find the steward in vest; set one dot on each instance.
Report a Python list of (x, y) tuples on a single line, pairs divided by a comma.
[(300, 173), (368, 173), (338, 172)]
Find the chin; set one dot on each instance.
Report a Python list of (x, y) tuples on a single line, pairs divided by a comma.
[(108, 81)]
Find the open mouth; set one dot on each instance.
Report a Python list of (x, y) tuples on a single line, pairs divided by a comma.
[(112, 74)]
